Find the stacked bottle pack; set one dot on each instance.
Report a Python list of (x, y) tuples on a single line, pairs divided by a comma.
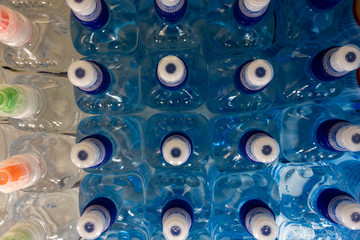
[(179, 119)]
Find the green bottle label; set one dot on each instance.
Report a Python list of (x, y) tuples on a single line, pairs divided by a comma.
[(10, 98)]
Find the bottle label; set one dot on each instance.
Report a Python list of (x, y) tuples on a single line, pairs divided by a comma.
[(102, 210), (93, 16), (252, 213), (99, 80), (334, 203), (249, 13)]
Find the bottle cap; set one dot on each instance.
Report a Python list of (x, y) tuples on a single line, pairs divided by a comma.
[(170, 3), (348, 213), (176, 226), (93, 222), (345, 58), (82, 74), (176, 150), (265, 149), (20, 171), (83, 7), (348, 137), (28, 229), (255, 5), (171, 71), (259, 73), (87, 153), (264, 227), (15, 29)]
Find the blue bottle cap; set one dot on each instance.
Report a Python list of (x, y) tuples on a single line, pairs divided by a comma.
[(170, 10)]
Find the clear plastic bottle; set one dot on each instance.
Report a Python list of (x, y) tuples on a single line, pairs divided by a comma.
[(40, 103), (171, 25), (244, 206), (112, 202), (177, 141), (104, 26), (109, 144), (45, 216), (174, 82), (177, 204), (317, 132), (106, 84), (307, 22), (39, 163), (305, 73), (240, 84), (35, 40), (238, 26), (244, 142)]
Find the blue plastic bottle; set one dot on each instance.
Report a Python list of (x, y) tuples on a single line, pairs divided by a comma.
[(103, 26), (317, 132), (171, 25), (244, 205), (305, 73), (174, 82), (177, 141), (113, 202), (109, 144), (244, 142), (311, 191), (237, 26), (106, 84), (177, 204), (312, 21), (242, 83)]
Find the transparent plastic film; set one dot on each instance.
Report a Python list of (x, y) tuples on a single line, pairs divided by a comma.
[(15, 29), (20, 171), (17, 101)]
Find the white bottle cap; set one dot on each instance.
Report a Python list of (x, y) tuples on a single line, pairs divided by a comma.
[(264, 227), (176, 226), (82, 74), (265, 149), (85, 154), (345, 58), (255, 5), (348, 137), (91, 225), (82, 7), (348, 213), (170, 3), (15, 29), (20, 171), (259, 73), (176, 150), (171, 71)]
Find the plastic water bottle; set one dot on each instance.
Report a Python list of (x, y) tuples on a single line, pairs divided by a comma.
[(240, 84), (103, 26), (317, 132), (7, 201), (40, 103), (177, 141), (312, 192), (109, 144), (305, 73), (35, 40), (171, 25), (39, 163), (106, 84), (111, 202), (313, 21), (8, 134), (237, 26), (244, 142), (244, 205), (301, 229), (177, 204), (174, 82), (45, 216)]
